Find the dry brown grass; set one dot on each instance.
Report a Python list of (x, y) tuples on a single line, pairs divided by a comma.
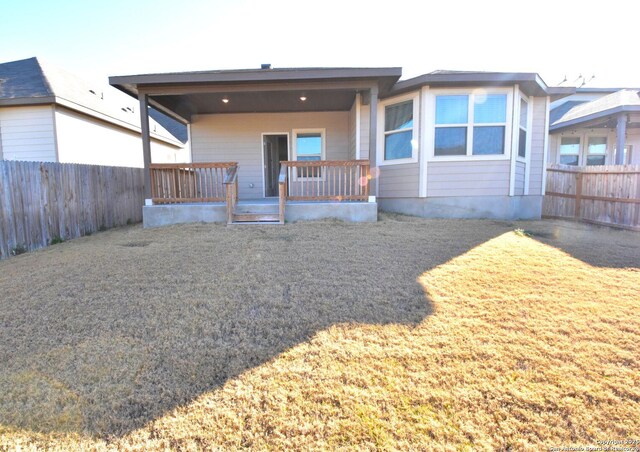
[(403, 334)]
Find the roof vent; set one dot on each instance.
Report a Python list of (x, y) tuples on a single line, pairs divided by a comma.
[(265, 66)]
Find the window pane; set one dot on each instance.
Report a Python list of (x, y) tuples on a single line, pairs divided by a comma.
[(488, 140), (524, 111), (595, 160), (451, 141), (398, 116), (597, 145), (569, 159), (522, 143), (309, 144), (452, 109), (570, 145), (398, 145), (490, 108)]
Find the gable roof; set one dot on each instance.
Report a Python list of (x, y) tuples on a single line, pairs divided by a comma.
[(624, 100), (33, 82)]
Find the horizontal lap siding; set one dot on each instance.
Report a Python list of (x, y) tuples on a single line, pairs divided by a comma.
[(519, 182), (364, 132), (399, 181), (238, 138), (472, 178), (28, 133), (539, 132)]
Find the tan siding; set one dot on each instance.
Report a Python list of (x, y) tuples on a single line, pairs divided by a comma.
[(519, 182), (237, 138), (538, 133), (472, 178), (399, 181), (28, 133)]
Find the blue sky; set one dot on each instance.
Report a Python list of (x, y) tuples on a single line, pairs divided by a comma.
[(96, 39)]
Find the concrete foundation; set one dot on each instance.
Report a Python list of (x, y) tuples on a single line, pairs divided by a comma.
[(493, 207), (168, 214)]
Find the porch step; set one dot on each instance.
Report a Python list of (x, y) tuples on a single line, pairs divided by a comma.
[(245, 217)]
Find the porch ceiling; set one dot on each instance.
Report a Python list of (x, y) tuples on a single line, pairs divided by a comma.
[(187, 105)]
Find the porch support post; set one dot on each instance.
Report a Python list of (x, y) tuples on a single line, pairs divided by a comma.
[(621, 131), (146, 144), (373, 135)]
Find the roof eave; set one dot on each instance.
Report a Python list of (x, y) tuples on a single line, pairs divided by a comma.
[(24, 101), (557, 127)]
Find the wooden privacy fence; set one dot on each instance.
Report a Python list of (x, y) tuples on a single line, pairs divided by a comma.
[(188, 182), (43, 202), (608, 195), (327, 180)]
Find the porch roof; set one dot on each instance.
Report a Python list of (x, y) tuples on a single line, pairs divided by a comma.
[(184, 94)]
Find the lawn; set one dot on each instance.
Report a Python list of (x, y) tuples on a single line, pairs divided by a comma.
[(403, 334)]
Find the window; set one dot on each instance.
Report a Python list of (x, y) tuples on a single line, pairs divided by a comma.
[(522, 136), (596, 150), (398, 131), (308, 146), (473, 124), (569, 150)]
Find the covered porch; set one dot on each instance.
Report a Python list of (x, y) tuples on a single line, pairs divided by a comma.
[(303, 140)]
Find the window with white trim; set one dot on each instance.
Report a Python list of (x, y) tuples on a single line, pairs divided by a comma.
[(596, 150), (522, 130), (569, 150), (398, 131), (470, 124), (309, 146)]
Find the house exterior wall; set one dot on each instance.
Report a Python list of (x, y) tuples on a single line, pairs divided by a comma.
[(83, 139), (399, 181), (521, 168), (238, 138), (353, 124), (364, 131), (28, 133), (539, 131), (473, 178)]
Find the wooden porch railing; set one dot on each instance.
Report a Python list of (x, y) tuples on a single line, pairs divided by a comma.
[(231, 185), (189, 182), (325, 180)]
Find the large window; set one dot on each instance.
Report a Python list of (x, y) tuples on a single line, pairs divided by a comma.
[(522, 136), (473, 124), (569, 150), (309, 147), (596, 150), (398, 131)]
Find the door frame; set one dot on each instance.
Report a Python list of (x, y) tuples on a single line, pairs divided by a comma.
[(264, 176)]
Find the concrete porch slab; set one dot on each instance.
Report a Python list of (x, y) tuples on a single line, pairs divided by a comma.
[(167, 214)]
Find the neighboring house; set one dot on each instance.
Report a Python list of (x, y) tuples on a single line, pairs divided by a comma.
[(445, 144), (49, 115), (587, 128)]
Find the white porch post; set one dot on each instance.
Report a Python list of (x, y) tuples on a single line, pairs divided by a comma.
[(621, 131), (373, 135), (146, 144)]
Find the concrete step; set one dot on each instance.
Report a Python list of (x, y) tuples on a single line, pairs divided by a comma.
[(255, 217), (248, 207)]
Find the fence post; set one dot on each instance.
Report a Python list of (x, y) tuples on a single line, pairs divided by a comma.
[(578, 194)]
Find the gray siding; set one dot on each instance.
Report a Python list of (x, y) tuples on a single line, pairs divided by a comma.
[(237, 138), (468, 178), (553, 149), (538, 133), (28, 133), (519, 182), (352, 131), (399, 181), (364, 132)]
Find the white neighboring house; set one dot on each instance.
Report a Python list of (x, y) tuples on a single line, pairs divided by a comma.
[(49, 115), (586, 127)]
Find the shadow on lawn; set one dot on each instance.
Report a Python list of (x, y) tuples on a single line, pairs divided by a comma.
[(598, 246), (110, 332)]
